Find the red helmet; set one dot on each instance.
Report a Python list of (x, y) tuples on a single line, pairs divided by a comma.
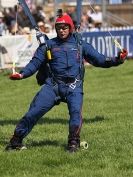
[(65, 19)]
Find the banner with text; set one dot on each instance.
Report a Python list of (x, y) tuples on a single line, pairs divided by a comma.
[(20, 49), (103, 41)]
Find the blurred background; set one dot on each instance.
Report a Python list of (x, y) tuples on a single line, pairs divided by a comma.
[(100, 20), (96, 14)]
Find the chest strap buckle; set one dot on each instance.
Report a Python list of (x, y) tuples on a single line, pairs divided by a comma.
[(73, 85)]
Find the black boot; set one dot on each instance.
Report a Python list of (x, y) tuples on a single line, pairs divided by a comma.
[(73, 145), (15, 144), (73, 139)]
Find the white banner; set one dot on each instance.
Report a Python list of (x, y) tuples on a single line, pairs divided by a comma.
[(18, 49)]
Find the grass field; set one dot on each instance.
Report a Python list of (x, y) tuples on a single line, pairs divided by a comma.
[(107, 127)]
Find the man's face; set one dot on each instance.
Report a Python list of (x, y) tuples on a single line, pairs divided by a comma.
[(63, 30)]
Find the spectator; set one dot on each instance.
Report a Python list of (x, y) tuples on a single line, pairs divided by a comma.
[(39, 14), (9, 18), (15, 28), (44, 27), (26, 31), (84, 27), (48, 28), (41, 26), (97, 17), (22, 19)]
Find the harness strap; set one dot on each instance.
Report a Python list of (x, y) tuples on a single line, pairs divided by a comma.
[(57, 98), (78, 37)]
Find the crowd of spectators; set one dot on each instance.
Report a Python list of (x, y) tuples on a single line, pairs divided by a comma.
[(91, 18), (14, 21)]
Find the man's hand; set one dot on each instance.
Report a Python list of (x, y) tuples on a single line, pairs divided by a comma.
[(16, 76), (122, 55)]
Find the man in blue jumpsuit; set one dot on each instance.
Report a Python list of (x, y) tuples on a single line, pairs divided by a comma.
[(64, 82)]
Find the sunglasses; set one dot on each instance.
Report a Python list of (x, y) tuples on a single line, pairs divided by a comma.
[(63, 27)]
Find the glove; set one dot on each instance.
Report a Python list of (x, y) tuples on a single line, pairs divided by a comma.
[(16, 76), (122, 55)]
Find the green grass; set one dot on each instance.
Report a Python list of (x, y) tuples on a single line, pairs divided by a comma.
[(107, 127)]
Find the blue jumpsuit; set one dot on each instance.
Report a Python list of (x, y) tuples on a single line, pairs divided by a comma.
[(66, 74)]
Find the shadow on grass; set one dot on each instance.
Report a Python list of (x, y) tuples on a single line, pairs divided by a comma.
[(53, 143), (32, 143), (43, 143), (47, 120)]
